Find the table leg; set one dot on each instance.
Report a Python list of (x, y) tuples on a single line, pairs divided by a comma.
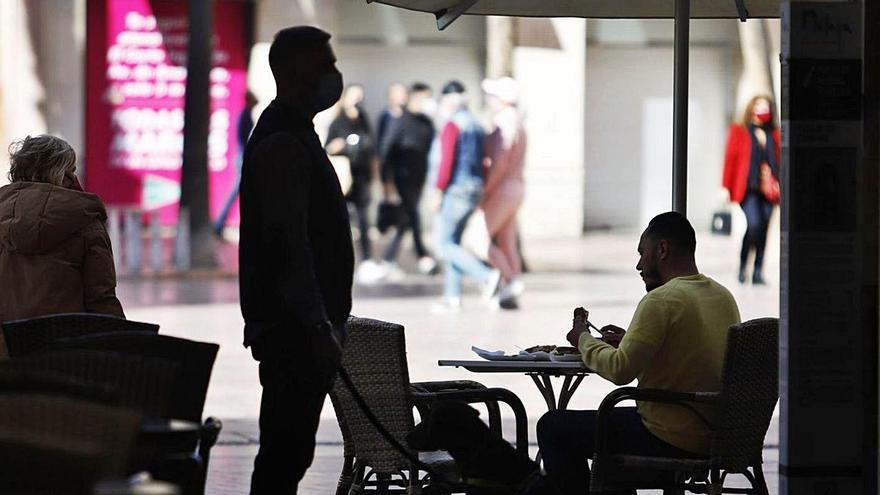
[(569, 386), (545, 386)]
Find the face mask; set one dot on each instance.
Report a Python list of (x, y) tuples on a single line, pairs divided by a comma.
[(763, 117), (328, 91), (429, 107)]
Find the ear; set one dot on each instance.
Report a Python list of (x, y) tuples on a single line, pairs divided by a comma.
[(662, 249)]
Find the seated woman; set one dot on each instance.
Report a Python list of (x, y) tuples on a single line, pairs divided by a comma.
[(55, 254)]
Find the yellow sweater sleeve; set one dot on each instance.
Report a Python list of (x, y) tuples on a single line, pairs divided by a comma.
[(639, 345), (621, 365)]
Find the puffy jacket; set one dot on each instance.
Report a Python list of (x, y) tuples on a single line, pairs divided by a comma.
[(55, 254)]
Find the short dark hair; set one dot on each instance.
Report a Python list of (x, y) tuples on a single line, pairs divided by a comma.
[(418, 87), (453, 86), (674, 228), (291, 42)]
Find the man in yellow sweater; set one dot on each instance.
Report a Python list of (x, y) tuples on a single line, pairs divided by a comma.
[(676, 341)]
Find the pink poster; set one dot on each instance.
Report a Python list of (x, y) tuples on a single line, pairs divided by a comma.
[(136, 80)]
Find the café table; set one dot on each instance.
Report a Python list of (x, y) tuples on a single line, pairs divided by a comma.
[(541, 372)]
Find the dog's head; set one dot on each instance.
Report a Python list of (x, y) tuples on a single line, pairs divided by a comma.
[(452, 426)]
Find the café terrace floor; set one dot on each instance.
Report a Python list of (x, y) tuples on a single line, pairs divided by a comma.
[(596, 272)]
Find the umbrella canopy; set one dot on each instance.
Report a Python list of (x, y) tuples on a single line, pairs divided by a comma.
[(608, 9)]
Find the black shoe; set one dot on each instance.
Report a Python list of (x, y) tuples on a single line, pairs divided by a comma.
[(758, 278), (742, 275)]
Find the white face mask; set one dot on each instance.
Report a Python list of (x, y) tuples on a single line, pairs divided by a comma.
[(327, 92), (429, 107)]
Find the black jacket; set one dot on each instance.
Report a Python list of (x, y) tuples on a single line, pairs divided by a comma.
[(404, 151), (295, 253)]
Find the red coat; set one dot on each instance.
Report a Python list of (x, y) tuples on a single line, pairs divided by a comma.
[(737, 159)]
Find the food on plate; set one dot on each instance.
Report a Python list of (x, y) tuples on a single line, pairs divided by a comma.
[(541, 348), (567, 350)]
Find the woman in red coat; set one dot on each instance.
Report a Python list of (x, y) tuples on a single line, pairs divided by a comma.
[(753, 149)]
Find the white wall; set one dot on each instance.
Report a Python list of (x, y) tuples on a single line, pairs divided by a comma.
[(629, 132)]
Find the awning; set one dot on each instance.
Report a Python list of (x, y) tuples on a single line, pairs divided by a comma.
[(599, 9), (447, 11)]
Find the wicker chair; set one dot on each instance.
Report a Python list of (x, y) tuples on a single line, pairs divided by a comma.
[(142, 384), (32, 334), (375, 358), (188, 391), (61, 445), (749, 392)]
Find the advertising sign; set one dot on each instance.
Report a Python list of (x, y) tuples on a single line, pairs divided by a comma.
[(136, 81)]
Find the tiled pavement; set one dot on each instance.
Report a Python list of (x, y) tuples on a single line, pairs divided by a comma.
[(596, 272)]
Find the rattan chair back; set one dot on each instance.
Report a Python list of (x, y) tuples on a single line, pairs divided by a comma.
[(32, 334), (194, 359), (143, 384), (375, 358), (21, 380), (61, 445), (749, 392)]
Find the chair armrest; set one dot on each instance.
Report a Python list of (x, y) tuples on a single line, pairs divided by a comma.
[(446, 385), (424, 407), (619, 395), (488, 396)]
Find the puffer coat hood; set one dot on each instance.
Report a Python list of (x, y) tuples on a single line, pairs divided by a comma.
[(36, 217), (55, 254)]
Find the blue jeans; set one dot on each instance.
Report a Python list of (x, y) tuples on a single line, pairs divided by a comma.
[(758, 211), (220, 224), (568, 438), (459, 203)]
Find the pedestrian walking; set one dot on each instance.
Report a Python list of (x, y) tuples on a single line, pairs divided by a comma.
[(751, 177), (296, 257), (350, 135), (244, 128), (504, 191), (396, 97), (460, 181), (404, 158)]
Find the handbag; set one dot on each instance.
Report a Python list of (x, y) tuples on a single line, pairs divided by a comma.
[(722, 221), (389, 215), (769, 184)]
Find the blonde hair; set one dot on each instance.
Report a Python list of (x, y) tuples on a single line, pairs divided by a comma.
[(41, 158)]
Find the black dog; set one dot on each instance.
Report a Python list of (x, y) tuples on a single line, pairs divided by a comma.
[(488, 464)]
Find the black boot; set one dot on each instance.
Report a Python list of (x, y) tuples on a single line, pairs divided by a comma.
[(758, 278), (742, 274)]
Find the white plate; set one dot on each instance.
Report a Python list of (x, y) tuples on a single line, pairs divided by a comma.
[(565, 358), (500, 356)]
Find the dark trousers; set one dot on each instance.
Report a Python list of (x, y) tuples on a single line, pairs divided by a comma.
[(363, 220), (293, 395), (410, 194), (567, 440), (758, 211)]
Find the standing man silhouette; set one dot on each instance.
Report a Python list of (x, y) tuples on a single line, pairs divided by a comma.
[(296, 257)]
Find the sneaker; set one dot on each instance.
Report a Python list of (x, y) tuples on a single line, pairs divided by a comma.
[(369, 272), (427, 265), (492, 285), (447, 305), (511, 290), (392, 272)]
